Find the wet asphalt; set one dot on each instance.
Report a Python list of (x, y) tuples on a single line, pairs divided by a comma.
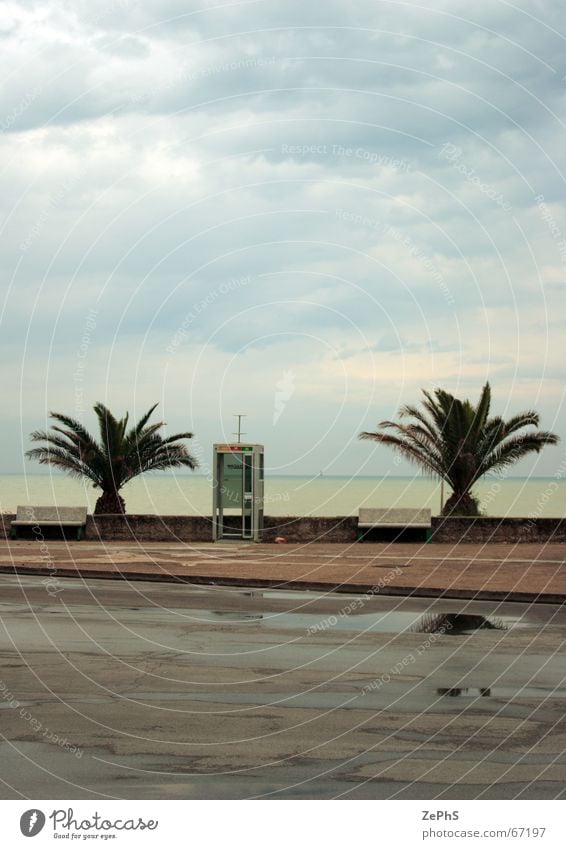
[(147, 690)]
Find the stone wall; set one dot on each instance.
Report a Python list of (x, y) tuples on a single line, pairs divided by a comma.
[(311, 528), (492, 529), (199, 528), (340, 529), (149, 528)]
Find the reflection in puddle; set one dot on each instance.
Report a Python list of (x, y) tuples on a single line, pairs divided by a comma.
[(456, 623), (464, 691)]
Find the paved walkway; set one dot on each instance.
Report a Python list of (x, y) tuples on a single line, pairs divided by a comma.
[(522, 572)]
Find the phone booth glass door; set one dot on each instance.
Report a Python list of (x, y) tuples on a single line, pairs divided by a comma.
[(238, 492)]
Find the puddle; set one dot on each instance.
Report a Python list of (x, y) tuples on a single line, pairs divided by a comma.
[(390, 621), (305, 618), (384, 622)]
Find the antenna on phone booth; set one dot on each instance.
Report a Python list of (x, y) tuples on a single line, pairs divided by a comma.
[(239, 432)]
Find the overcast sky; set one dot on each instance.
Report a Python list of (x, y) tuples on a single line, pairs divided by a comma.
[(303, 211)]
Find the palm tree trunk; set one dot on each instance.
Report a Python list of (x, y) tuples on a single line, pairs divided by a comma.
[(110, 502), (461, 504)]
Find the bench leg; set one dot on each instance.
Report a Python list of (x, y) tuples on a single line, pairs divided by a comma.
[(79, 533)]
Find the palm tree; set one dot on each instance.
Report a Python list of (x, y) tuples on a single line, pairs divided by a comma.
[(459, 442), (120, 455)]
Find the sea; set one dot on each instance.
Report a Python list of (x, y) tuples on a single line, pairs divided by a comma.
[(182, 494)]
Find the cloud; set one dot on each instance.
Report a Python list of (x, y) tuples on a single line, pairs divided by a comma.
[(347, 191)]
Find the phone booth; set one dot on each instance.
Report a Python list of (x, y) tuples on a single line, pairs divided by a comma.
[(237, 509)]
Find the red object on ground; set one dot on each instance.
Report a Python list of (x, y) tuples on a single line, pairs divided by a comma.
[(281, 540)]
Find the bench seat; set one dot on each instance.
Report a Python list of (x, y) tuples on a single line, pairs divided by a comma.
[(60, 517), (46, 522), (404, 518)]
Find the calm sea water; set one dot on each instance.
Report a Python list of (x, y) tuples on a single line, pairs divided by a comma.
[(295, 496)]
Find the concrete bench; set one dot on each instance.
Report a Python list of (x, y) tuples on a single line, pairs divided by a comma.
[(403, 518), (44, 517)]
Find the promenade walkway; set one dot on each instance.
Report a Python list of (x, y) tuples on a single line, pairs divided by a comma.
[(522, 572)]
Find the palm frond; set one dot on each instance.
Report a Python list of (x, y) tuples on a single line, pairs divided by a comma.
[(405, 449), (63, 460), (515, 448), (528, 418), (480, 416)]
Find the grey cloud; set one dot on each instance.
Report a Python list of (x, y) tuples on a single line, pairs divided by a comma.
[(156, 150)]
